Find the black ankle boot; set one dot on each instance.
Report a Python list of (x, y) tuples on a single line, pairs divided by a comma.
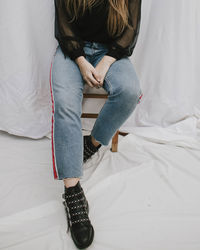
[(77, 209), (89, 148)]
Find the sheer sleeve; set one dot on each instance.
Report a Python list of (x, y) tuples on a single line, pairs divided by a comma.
[(124, 45), (69, 41)]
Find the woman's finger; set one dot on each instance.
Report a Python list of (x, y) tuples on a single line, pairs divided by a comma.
[(93, 80), (96, 75), (89, 83)]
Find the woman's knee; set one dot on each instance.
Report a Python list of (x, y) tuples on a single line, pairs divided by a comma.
[(123, 80), (64, 110), (68, 104), (127, 92), (129, 97)]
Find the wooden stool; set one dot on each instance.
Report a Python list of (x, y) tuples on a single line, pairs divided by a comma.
[(89, 92)]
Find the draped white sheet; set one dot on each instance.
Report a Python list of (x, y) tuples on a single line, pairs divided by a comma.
[(145, 197), (165, 58)]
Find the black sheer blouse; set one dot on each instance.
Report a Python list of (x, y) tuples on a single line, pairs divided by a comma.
[(92, 26)]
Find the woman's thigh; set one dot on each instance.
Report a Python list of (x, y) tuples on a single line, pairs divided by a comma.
[(122, 78), (67, 82)]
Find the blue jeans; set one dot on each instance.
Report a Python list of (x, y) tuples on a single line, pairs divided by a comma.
[(66, 84)]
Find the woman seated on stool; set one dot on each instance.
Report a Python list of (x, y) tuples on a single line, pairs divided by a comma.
[(95, 38)]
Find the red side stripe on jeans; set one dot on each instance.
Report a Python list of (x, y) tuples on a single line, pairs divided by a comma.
[(140, 97), (52, 124)]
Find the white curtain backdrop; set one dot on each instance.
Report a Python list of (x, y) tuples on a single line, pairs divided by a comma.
[(165, 58)]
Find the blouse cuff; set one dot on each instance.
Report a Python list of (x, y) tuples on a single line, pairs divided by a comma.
[(72, 54), (76, 53), (116, 51)]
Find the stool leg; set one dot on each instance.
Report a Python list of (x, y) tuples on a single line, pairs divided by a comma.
[(115, 142)]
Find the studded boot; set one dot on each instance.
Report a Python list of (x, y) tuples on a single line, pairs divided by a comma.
[(89, 148), (77, 209)]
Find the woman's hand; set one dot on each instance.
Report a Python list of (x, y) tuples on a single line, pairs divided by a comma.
[(94, 77), (102, 67), (87, 71)]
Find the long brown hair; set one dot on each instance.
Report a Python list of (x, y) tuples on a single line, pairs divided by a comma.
[(117, 13)]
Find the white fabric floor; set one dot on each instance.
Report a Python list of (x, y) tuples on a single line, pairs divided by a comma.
[(144, 197)]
